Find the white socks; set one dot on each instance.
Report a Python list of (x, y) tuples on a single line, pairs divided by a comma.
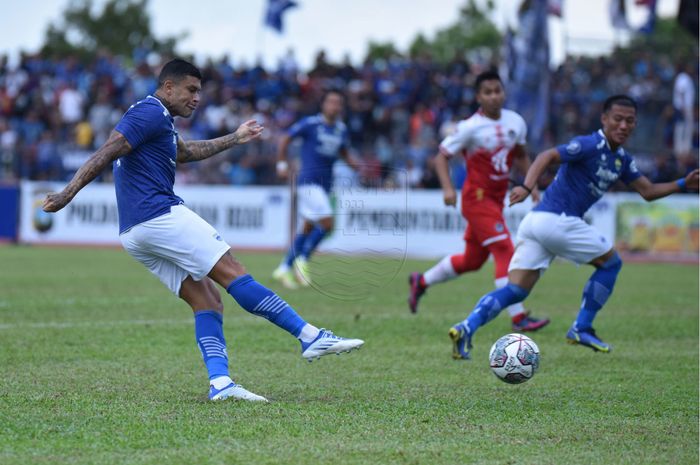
[(308, 333), (221, 382), (441, 272)]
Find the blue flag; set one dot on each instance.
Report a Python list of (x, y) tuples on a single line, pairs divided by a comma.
[(527, 55), (275, 10), (650, 23)]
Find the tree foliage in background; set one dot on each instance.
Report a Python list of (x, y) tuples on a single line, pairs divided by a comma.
[(669, 38), (380, 50), (120, 27), (472, 30)]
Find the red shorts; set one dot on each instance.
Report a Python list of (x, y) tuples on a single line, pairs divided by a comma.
[(485, 223)]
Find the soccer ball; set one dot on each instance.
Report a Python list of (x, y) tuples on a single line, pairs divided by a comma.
[(514, 358)]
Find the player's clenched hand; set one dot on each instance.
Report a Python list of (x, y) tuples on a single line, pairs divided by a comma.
[(55, 201), (691, 180), (517, 195), (450, 197), (248, 131)]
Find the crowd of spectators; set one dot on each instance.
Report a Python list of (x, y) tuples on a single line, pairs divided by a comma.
[(55, 113)]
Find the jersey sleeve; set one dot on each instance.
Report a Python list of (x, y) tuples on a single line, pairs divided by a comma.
[(522, 134), (300, 128), (630, 172), (457, 141), (577, 149), (139, 124)]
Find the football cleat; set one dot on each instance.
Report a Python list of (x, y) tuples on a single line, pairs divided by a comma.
[(415, 291), (285, 277), (234, 391), (587, 338), (328, 343), (529, 323), (461, 342), (301, 270)]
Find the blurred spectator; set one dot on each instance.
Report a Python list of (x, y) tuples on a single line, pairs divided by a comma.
[(683, 103), (397, 109)]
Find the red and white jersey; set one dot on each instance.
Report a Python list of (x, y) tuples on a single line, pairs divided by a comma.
[(487, 146)]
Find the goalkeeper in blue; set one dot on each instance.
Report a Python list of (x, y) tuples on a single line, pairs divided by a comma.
[(590, 165), (185, 252)]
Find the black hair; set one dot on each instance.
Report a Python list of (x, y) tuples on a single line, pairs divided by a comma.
[(332, 91), (176, 70), (619, 99), (486, 76)]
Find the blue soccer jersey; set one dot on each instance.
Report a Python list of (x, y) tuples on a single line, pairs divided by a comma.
[(321, 146), (144, 177), (589, 167)]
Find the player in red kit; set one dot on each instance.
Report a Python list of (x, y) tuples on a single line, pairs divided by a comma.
[(492, 142)]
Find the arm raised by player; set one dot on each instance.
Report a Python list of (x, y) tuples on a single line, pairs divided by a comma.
[(196, 150), (115, 147), (542, 161), (521, 162), (442, 169), (652, 191)]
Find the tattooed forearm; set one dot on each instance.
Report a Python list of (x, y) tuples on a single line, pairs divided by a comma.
[(196, 150), (115, 147)]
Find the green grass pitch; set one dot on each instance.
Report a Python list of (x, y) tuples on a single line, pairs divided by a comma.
[(99, 366)]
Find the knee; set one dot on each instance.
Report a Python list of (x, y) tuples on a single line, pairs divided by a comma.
[(502, 250), (227, 269), (467, 262), (327, 223), (614, 263)]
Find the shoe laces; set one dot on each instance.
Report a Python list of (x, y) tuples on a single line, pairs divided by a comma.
[(327, 333)]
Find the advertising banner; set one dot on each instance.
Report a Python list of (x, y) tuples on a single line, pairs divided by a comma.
[(251, 217)]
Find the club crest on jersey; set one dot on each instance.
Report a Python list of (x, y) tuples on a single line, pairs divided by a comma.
[(573, 147), (499, 227), (618, 164)]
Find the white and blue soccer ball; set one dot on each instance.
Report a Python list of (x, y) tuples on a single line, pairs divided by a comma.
[(514, 358)]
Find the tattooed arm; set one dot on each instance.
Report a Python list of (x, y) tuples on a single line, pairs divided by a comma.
[(196, 150), (113, 148)]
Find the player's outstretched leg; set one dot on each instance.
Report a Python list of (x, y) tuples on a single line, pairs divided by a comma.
[(521, 320), (488, 307), (596, 292), (208, 328), (262, 302), (446, 269)]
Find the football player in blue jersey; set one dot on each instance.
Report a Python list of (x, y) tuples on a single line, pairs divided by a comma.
[(184, 251), (324, 140), (590, 165)]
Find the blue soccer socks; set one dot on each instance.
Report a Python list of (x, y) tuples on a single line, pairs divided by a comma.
[(208, 330), (261, 301), (492, 303), (315, 237), (296, 249), (597, 291)]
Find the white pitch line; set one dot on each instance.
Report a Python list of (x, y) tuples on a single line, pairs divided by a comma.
[(93, 324)]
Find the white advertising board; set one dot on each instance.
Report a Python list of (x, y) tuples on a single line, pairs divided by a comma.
[(251, 217)]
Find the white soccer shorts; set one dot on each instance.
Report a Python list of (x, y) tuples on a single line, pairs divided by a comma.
[(543, 236), (175, 245), (313, 202)]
